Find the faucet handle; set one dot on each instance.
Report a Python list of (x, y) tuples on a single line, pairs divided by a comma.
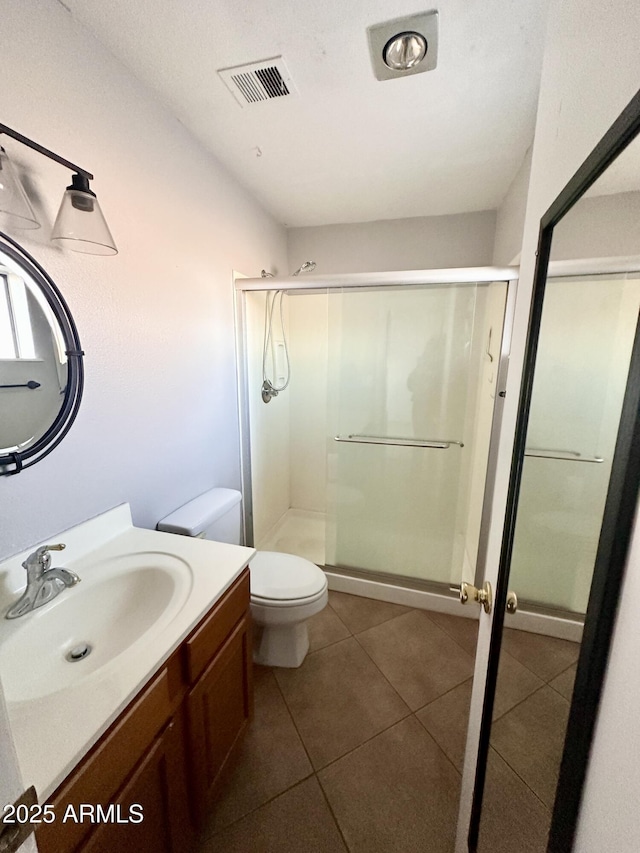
[(40, 560), (41, 555)]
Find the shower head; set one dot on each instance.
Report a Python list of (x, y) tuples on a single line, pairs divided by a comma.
[(307, 266)]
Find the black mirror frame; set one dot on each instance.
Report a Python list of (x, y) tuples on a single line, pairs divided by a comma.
[(615, 535), (13, 463)]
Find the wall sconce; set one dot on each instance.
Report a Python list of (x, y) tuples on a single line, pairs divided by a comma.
[(79, 225)]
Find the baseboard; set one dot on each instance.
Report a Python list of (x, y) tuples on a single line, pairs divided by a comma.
[(550, 626), (535, 623), (398, 595)]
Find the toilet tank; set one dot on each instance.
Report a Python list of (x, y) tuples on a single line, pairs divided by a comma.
[(214, 515)]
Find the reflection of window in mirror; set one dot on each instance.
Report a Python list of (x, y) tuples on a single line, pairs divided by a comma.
[(16, 334), (33, 360), (588, 325)]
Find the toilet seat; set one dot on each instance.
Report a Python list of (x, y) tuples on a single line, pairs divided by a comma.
[(284, 580), (290, 602)]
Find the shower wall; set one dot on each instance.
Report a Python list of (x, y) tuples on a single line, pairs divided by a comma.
[(308, 323), (269, 429)]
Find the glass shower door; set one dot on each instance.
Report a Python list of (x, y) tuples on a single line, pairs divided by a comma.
[(403, 368)]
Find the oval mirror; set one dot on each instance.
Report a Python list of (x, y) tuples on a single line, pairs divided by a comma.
[(41, 371)]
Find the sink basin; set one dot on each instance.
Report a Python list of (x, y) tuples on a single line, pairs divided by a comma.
[(120, 603)]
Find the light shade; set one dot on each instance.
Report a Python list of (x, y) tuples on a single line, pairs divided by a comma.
[(15, 207), (80, 225)]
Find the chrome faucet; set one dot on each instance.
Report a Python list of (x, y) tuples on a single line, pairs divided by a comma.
[(43, 582)]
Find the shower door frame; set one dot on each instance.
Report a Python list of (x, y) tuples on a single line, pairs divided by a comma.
[(387, 280)]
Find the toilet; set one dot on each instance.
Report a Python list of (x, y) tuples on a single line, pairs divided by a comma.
[(285, 590)]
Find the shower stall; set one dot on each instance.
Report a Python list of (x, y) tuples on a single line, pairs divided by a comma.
[(373, 461), (377, 461)]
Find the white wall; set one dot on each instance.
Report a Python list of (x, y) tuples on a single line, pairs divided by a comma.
[(158, 422), (426, 242), (510, 217), (608, 818), (599, 227), (590, 72), (603, 227)]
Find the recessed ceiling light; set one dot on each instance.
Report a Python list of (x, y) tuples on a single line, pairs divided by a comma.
[(405, 51), (404, 46)]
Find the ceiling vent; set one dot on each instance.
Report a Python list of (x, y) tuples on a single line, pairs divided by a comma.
[(258, 81)]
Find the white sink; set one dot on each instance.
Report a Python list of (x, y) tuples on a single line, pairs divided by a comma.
[(121, 603)]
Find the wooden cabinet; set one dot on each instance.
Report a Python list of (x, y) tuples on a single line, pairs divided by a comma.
[(157, 792), (165, 755), (218, 710)]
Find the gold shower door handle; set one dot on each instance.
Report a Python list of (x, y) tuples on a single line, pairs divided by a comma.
[(483, 596)]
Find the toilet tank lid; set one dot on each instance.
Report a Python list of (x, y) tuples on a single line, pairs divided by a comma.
[(196, 516)]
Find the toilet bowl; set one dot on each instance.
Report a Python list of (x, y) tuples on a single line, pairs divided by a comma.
[(285, 589)]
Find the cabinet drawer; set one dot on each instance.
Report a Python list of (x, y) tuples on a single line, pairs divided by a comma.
[(100, 775), (204, 643)]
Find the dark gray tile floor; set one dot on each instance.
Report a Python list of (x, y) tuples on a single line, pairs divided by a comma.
[(338, 699), (361, 748)]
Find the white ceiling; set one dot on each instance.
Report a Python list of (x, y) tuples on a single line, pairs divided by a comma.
[(348, 148)]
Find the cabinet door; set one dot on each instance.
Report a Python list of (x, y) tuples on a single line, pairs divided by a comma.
[(218, 708), (102, 773), (157, 791)]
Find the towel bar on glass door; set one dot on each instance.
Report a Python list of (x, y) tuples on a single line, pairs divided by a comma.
[(569, 455), (436, 443)]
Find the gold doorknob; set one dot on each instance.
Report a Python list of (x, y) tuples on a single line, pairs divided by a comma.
[(512, 602), (483, 596)]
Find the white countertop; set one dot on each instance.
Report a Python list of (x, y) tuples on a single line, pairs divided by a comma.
[(52, 732)]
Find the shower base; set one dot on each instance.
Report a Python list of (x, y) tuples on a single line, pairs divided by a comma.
[(300, 532)]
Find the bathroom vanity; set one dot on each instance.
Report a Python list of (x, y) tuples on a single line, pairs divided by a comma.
[(167, 750), (130, 752)]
